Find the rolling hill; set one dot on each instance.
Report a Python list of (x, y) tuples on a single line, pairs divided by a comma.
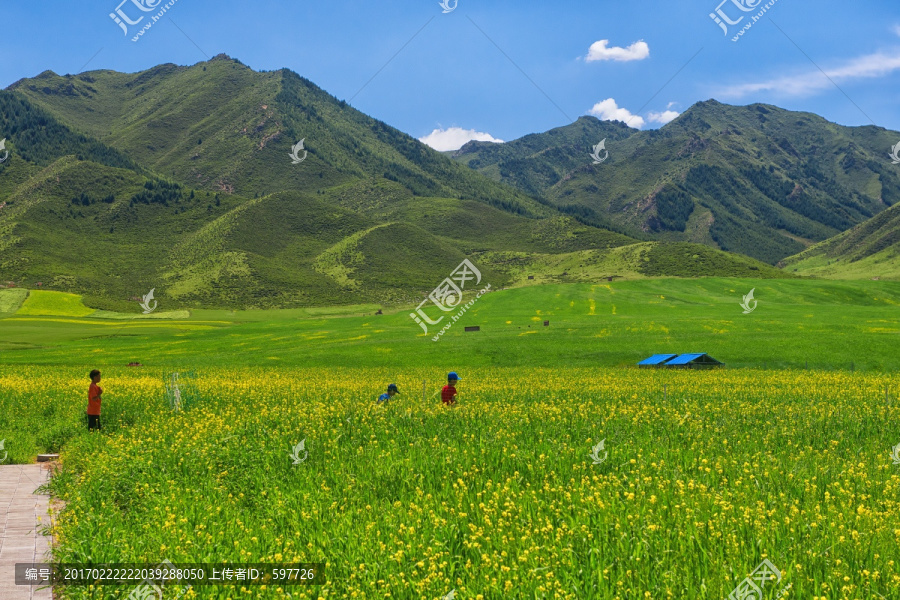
[(179, 179), (758, 180)]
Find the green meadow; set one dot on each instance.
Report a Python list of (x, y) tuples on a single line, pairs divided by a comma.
[(796, 323), (564, 471)]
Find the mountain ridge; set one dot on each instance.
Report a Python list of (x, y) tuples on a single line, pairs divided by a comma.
[(798, 179), (178, 178), (134, 204)]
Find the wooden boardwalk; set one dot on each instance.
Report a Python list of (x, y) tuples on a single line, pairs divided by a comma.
[(23, 514)]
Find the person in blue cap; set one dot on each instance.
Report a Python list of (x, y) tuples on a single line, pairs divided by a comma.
[(392, 390), (448, 394)]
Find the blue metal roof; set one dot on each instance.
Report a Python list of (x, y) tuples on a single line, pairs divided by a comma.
[(685, 358), (656, 359)]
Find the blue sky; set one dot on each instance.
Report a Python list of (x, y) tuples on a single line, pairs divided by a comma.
[(503, 68)]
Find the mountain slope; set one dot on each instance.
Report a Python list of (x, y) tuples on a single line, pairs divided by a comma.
[(96, 223), (871, 249), (221, 126), (757, 179), (178, 179)]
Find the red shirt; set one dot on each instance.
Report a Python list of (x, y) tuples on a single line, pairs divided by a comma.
[(447, 394), (94, 399)]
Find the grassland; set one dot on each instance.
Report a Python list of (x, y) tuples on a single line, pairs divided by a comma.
[(822, 324), (707, 473), (41, 303), (785, 455), (11, 300)]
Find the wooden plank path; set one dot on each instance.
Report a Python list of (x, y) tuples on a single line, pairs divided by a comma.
[(23, 514)]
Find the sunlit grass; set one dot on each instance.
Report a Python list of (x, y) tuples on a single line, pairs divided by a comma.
[(41, 303), (495, 498)]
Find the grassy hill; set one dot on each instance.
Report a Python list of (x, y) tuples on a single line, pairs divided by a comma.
[(869, 250), (178, 179), (119, 183), (758, 180), (127, 234), (634, 261), (222, 127)]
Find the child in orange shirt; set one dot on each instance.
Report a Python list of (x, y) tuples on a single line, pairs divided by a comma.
[(93, 409)]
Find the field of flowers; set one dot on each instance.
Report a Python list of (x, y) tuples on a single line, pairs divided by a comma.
[(701, 476)]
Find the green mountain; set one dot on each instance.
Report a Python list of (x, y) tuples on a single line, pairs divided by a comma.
[(869, 250), (758, 180), (180, 180), (220, 126)]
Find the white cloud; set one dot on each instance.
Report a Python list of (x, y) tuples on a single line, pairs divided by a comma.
[(663, 117), (803, 84), (453, 138), (599, 51), (897, 29), (608, 110)]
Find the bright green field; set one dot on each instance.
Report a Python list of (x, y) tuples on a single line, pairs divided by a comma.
[(825, 324), (707, 473)]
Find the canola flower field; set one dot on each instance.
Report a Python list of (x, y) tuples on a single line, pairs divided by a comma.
[(702, 476)]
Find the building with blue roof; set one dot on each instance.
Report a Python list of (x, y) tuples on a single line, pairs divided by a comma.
[(657, 360), (695, 360)]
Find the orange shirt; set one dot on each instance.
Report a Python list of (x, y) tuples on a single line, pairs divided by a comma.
[(94, 399)]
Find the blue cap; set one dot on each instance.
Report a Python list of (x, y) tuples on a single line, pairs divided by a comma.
[(452, 375)]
